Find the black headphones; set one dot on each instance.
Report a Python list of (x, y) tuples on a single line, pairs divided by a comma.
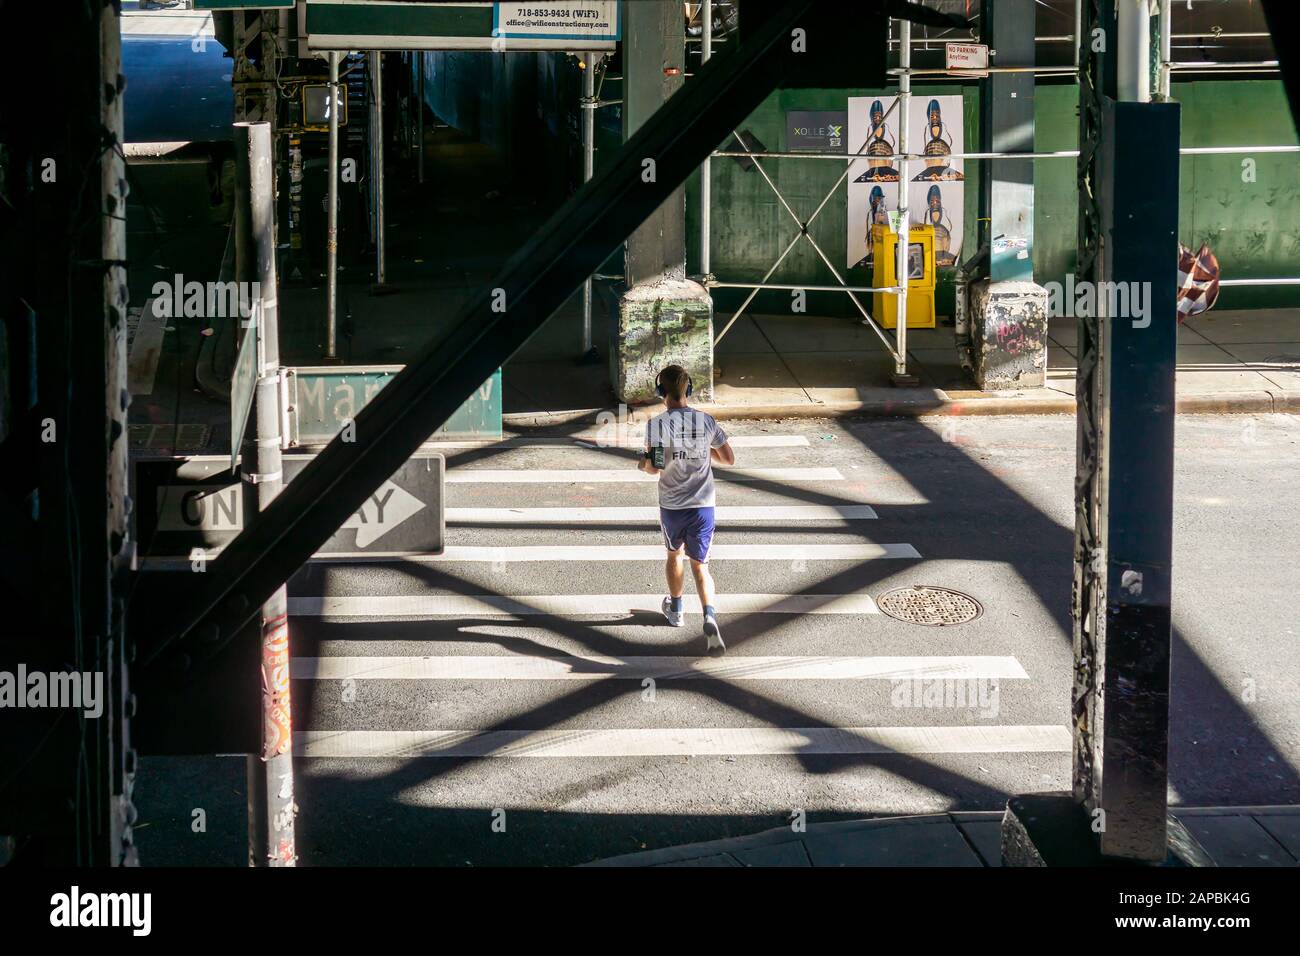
[(663, 392)]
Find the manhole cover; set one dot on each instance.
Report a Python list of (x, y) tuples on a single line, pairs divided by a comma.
[(929, 605)]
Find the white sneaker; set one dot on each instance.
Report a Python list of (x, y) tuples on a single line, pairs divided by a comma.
[(675, 618), (713, 634)]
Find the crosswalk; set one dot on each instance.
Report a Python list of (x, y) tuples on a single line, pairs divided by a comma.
[(537, 633)]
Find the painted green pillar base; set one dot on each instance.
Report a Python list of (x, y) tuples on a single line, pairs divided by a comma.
[(662, 323), (1008, 334)]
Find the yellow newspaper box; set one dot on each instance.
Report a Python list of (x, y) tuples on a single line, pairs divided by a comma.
[(920, 277)]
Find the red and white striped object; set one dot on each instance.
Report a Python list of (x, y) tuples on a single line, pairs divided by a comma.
[(1198, 281)]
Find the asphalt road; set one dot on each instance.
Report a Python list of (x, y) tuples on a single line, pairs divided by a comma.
[(532, 736)]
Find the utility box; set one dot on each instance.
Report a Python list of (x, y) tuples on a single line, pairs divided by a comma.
[(920, 276)]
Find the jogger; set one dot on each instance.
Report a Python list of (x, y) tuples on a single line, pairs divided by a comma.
[(681, 445)]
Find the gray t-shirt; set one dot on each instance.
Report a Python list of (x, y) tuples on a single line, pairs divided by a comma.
[(686, 435)]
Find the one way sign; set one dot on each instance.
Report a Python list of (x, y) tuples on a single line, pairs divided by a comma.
[(193, 503)]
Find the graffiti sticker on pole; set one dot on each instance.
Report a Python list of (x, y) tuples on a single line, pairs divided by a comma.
[(551, 20)]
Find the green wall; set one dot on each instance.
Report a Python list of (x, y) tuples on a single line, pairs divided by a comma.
[(1253, 228)]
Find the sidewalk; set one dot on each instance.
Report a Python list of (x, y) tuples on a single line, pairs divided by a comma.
[(447, 239), (1232, 836)]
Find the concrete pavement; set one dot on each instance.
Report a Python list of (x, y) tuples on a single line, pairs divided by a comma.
[(484, 709), (767, 366), (508, 711)]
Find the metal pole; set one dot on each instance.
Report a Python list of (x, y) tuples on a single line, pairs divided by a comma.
[(1078, 30), (706, 168), (1132, 68), (377, 155), (1166, 45), (904, 231), (332, 204), (270, 775), (588, 167), (419, 118)]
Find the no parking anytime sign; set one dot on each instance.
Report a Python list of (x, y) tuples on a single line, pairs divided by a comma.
[(556, 20)]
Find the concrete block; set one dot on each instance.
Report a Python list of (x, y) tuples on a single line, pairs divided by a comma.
[(1008, 334), (1052, 830), (660, 323)]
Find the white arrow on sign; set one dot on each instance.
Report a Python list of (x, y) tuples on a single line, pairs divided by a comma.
[(383, 511), (187, 508)]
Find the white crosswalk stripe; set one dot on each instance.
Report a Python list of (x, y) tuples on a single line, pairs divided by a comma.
[(567, 605), (597, 554), (596, 439), (650, 514), (685, 741), (568, 508), (591, 667), (626, 475)]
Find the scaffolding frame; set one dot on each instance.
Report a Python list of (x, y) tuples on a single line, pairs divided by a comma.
[(896, 345), (897, 348)]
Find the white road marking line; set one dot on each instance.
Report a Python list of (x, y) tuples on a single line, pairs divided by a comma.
[(595, 554), (595, 667), (567, 605), (146, 348), (625, 475), (686, 741), (593, 439), (650, 514)]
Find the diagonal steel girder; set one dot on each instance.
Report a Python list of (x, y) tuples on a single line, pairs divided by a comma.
[(188, 624)]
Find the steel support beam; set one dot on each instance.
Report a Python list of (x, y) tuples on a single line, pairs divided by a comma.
[(1007, 126), (68, 776), (654, 69), (376, 61), (590, 227), (1124, 481), (332, 216)]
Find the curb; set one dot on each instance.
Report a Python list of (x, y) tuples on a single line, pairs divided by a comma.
[(782, 835), (1228, 403)]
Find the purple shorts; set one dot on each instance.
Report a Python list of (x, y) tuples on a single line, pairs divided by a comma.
[(692, 527)]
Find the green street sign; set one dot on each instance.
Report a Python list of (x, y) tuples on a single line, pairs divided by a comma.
[(324, 399), (243, 383)]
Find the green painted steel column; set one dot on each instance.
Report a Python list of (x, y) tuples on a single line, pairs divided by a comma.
[(654, 47), (1007, 126), (663, 317)]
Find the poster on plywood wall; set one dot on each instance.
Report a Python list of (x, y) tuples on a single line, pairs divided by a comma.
[(936, 185)]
